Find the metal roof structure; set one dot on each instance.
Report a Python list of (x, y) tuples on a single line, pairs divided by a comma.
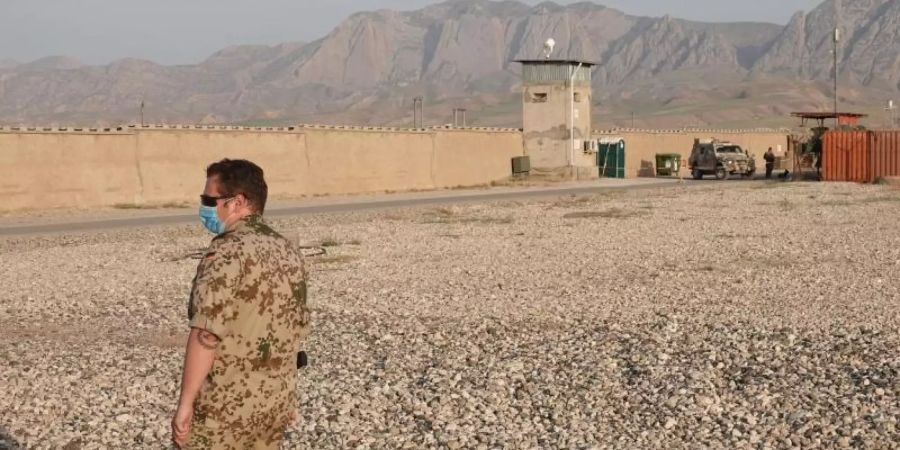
[(555, 70), (843, 118), (573, 62)]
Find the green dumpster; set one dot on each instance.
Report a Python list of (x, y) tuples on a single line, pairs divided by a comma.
[(521, 165), (667, 164)]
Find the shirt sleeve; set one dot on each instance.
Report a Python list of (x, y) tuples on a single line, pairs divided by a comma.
[(213, 296), (299, 286)]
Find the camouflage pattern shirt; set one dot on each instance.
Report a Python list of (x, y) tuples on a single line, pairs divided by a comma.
[(250, 291)]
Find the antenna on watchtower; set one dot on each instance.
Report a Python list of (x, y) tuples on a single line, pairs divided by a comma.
[(548, 48)]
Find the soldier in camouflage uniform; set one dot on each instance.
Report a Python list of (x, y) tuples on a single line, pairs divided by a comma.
[(248, 317)]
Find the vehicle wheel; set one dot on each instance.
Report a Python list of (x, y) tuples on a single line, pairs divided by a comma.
[(721, 173), (698, 175)]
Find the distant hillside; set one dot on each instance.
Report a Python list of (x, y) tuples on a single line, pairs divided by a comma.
[(661, 71)]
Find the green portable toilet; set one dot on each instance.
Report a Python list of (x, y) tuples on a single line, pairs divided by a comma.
[(611, 157)]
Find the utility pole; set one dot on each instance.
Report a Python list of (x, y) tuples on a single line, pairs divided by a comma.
[(573, 74), (890, 108), (459, 113), (893, 120), (142, 112), (418, 112), (837, 39)]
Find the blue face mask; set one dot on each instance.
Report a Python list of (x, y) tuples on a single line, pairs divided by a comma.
[(211, 221)]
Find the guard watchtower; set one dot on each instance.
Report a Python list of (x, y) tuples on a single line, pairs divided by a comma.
[(556, 106)]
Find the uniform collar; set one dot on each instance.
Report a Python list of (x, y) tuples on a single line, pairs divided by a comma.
[(245, 223)]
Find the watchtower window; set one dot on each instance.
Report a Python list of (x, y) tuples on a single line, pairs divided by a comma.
[(539, 97), (576, 97)]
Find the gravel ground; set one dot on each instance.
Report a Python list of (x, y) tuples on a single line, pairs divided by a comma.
[(645, 319)]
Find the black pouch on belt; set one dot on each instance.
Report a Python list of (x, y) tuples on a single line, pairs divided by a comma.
[(302, 360)]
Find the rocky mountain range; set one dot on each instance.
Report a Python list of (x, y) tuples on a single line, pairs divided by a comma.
[(651, 71)]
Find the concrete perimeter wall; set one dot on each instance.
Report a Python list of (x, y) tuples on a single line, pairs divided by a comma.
[(641, 146), (48, 168)]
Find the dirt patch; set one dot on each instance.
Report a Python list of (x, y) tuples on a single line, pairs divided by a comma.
[(452, 216), (612, 213)]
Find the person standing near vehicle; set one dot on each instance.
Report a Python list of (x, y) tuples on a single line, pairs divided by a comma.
[(248, 318), (770, 162)]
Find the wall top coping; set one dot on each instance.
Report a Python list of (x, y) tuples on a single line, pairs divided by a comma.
[(429, 129), (131, 129), (63, 130), (694, 130)]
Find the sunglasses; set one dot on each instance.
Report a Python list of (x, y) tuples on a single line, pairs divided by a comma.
[(210, 201)]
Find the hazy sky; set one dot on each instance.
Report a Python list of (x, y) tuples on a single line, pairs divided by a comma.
[(187, 31)]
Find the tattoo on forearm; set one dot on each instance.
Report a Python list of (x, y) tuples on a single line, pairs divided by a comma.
[(208, 340)]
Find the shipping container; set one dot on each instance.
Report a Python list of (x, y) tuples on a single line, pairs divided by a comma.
[(860, 156), (884, 159), (845, 156)]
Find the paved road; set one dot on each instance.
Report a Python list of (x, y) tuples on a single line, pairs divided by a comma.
[(386, 202)]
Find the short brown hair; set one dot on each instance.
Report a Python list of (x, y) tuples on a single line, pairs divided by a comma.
[(239, 176)]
